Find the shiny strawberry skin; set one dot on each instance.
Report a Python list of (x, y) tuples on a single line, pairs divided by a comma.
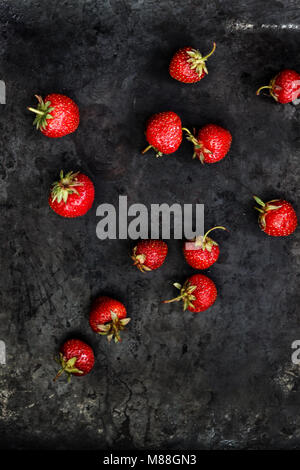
[(205, 292), (82, 351), (101, 311), (164, 132), (65, 116), (279, 222), (286, 86), (76, 205), (216, 139), (199, 258), (155, 252), (180, 68)]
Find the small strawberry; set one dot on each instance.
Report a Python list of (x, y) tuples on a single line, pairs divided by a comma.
[(164, 133), (73, 195), (202, 252), (188, 65), (212, 143), (56, 115), (198, 293), (75, 358), (277, 217), (284, 87), (108, 317), (149, 254)]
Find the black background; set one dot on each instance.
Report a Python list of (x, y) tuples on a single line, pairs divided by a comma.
[(221, 379)]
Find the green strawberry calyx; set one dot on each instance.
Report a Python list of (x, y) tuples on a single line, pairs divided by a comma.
[(199, 149), (66, 185), (66, 366), (139, 261), (270, 87), (42, 112), (197, 62), (264, 208), (112, 329), (206, 243), (186, 294)]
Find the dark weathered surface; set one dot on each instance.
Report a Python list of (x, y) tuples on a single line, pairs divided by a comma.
[(216, 380)]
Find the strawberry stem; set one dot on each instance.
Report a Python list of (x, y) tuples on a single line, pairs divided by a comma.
[(176, 299), (262, 88), (210, 53), (210, 230), (146, 149), (36, 111)]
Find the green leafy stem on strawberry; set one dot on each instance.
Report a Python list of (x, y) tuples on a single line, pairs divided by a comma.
[(113, 328), (66, 366), (42, 112), (199, 149)]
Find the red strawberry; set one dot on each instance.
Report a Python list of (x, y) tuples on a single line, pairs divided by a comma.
[(75, 358), (188, 65), (149, 254), (202, 252), (198, 293), (73, 195), (164, 133), (284, 87), (277, 217), (56, 115), (212, 143), (108, 317)]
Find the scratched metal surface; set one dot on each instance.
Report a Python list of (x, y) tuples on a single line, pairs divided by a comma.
[(221, 379)]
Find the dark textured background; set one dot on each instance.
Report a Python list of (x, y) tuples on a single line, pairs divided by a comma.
[(220, 379)]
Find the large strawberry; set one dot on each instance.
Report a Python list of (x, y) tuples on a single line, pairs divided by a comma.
[(212, 143), (57, 115), (75, 358), (202, 252), (188, 65), (108, 317), (73, 195), (277, 217), (198, 293), (284, 87), (149, 254), (163, 133)]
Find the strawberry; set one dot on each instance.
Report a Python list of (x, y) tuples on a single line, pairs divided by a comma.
[(284, 87), (212, 143), (188, 65), (75, 358), (164, 133), (149, 254), (73, 195), (202, 252), (56, 115), (198, 293), (276, 217), (108, 317)]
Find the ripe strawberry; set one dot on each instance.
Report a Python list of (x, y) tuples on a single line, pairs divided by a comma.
[(164, 133), (202, 252), (108, 317), (212, 143), (284, 87), (56, 115), (198, 293), (188, 65), (277, 217), (75, 358), (149, 254), (73, 195)]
